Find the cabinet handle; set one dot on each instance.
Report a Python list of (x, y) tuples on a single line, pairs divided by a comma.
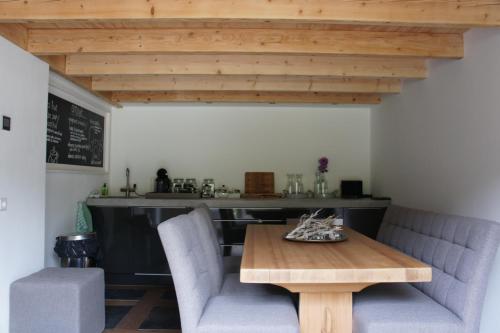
[(248, 208)]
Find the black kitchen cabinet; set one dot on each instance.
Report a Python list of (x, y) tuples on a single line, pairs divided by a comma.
[(131, 250), (232, 223)]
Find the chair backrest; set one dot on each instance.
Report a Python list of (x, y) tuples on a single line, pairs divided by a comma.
[(194, 285), (208, 239), (460, 250), (205, 212)]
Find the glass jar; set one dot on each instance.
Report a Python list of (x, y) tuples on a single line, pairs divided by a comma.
[(177, 185), (208, 181), (191, 182), (190, 185)]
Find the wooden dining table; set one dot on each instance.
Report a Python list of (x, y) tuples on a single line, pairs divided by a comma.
[(325, 274)]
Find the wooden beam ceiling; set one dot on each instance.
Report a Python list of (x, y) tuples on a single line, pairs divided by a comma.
[(244, 41), (58, 65), (383, 12), (243, 97), (279, 51), (334, 66), (19, 35), (243, 83), (283, 25)]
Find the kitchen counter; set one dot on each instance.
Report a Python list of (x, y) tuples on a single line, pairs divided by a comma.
[(132, 250), (239, 203)]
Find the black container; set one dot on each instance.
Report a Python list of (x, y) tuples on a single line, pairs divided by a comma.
[(77, 250)]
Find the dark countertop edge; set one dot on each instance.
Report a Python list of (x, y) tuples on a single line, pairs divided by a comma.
[(239, 203)]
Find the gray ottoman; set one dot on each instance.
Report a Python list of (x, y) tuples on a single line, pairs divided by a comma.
[(58, 300)]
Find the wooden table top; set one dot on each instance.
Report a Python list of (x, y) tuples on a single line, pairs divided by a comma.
[(267, 258)]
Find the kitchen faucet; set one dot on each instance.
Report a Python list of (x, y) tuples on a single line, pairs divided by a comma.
[(127, 189)]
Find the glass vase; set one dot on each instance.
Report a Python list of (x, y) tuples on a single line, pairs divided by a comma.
[(320, 186)]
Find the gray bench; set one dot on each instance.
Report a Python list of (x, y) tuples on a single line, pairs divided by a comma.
[(58, 300), (461, 252)]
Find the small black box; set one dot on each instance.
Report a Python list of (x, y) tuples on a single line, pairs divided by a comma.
[(351, 189)]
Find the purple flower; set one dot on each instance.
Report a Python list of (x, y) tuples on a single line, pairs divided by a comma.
[(323, 164)]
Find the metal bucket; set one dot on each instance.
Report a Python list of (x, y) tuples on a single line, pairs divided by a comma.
[(77, 250), (82, 262)]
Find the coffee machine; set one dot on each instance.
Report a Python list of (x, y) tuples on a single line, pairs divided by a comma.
[(162, 182)]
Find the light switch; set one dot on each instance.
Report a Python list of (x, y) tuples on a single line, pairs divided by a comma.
[(3, 204), (6, 123)]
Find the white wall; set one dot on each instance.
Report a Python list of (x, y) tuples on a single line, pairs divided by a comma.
[(23, 97), (437, 145), (65, 188), (224, 141)]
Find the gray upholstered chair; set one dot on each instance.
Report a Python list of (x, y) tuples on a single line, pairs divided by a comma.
[(231, 277), (231, 264), (202, 305), (460, 250)]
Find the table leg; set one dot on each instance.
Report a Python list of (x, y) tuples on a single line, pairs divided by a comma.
[(325, 312)]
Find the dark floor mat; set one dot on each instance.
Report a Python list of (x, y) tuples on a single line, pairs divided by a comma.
[(162, 317), (114, 314), (128, 294), (169, 294)]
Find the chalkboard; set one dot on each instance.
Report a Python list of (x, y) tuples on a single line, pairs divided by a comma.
[(75, 136)]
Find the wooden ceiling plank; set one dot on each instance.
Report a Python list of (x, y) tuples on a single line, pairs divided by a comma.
[(335, 66), (57, 63), (244, 97), (290, 25), (83, 82), (243, 83), (238, 41), (15, 33), (421, 12)]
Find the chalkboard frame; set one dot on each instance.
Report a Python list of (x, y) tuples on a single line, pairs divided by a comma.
[(92, 107)]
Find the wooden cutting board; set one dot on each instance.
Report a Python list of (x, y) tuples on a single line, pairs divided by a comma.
[(261, 195), (259, 182)]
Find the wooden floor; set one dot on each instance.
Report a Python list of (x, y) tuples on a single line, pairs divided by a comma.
[(140, 309)]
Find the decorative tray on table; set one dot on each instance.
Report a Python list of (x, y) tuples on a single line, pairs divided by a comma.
[(312, 229), (326, 239)]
